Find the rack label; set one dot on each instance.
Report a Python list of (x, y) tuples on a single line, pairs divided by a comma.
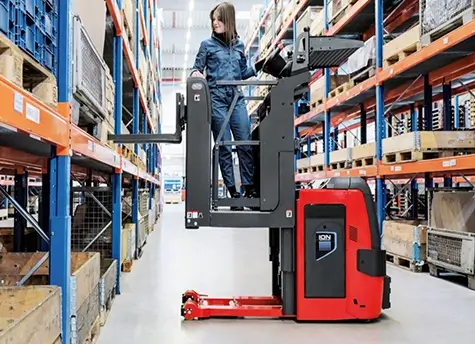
[(32, 113), (18, 102)]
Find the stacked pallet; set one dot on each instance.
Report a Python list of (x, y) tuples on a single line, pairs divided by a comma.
[(85, 276), (451, 236), (424, 145), (405, 243)]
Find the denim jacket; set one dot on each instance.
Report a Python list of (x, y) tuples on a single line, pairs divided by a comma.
[(222, 62)]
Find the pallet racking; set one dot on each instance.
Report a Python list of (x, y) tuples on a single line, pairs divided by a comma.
[(438, 68), (41, 146)]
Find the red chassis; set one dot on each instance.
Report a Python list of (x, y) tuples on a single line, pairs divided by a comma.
[(364, 293)]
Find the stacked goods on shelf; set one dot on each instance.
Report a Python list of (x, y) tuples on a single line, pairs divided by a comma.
[(405, 243), (338, 83), (143, 218), (129, 22), (85, 275), (423, 145), (254, 20), (341, 159), (451, 235), (23, 70), (438, 17), (337, 9), (307, 18), (364, 155), (23, 311), (92, 85), (316, 24), (399, 48), (7, 239)]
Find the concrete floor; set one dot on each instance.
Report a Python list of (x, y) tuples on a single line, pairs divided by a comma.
[(234, 262)]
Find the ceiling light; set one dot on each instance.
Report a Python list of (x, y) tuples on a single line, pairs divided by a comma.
[(188, 34), (186, 58), (189, 22), (192, 5), (187, 47)]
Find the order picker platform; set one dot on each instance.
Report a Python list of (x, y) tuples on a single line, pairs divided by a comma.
[(327, 261)]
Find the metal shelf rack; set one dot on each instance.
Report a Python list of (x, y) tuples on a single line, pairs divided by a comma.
[(441, 70), (38, 141)]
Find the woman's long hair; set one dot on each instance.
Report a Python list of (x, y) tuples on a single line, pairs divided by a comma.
[(226, 13)]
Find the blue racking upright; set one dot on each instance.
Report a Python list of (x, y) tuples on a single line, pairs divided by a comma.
[(42, 145)]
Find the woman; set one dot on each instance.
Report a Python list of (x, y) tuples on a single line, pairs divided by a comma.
[(223, 57)]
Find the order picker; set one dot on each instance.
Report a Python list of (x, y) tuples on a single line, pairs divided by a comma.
[(327, 261)]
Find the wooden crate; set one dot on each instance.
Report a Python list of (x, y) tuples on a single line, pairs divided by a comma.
[(364, 155), (30, 315), (128, 247), (107, 284), (453, 210), (23, 71), (6, 239), (85, 274), (424, 145), (405, 243), (340, 159), (339, 8), (401, 47)]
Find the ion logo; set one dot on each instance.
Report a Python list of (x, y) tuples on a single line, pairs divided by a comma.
[(325, 244)]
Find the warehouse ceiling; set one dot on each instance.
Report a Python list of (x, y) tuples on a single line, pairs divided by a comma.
[(180, 41)]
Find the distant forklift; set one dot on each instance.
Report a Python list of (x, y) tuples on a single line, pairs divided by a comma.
[(327, 261)]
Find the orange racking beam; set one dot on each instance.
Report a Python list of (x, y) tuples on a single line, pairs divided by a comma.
[(439, 46), (353, 114), (447, 73), (24, 112), (352, 13), (437, 167)]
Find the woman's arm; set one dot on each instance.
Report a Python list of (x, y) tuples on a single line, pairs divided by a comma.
[(200, 60), (246, 71)]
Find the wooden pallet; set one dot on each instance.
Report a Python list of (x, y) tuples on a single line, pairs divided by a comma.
[(363, 75), (436, 271), (339, 90), (21, 69), (401, 55), (405, 263), (93, 335), (364, 162), (411, 155), (457, 21), (340, 165), (126, 265)]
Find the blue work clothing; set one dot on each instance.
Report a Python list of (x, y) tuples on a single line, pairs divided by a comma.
[(228, 62)]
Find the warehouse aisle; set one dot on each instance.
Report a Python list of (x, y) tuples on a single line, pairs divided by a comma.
[(234, 262)]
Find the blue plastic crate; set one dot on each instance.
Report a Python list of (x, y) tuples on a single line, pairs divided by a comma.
[(26, 33), (28, 7), (7, 19)]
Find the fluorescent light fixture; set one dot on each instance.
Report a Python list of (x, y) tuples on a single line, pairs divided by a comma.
[(188, 35), (190, 22), (192, 5), (186, 57), (187, 46)]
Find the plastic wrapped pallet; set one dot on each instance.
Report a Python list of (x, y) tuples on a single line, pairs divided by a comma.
[(361, 57), (434, 13)]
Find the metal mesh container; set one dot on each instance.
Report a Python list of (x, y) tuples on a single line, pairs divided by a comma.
[(441, 14), (451, 250), (89, 72)]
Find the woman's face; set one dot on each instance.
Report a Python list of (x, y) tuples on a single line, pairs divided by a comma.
[(218, 25)]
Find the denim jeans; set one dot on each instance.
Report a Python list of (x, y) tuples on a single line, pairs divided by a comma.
[(239, 125)]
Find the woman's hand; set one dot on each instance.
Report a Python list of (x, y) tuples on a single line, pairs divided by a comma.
[(197, 74)]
